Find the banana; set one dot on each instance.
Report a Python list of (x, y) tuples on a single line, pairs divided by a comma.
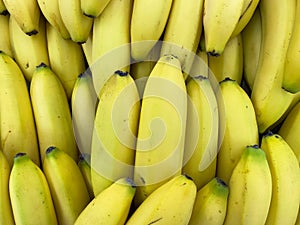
[(219, 20), (67, 186), (93, 8), (148, 21), (3, 10), (171, 203), (5, 45), (251, 37), (201, 141), (230, 62), (175, 38), (240, 127), (211, 204), (6, 214), (77, 24), (112, 151), (66, 58), (271, 102), (18, 131), (87, 48), (250, 188), (285, 173), (111, 206), (31, 54), (50, 11), (51, 112), (83, 105), (290, 128), (162, 125), (26, 13), (30, 194), (291, 76), (84, 164)]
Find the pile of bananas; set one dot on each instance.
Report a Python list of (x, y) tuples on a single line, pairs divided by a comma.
[(143, 112)]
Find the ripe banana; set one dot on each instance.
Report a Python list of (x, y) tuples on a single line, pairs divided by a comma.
[(30, 194), (250, 188), (285, 173), (26, 13), (77, 24), (51, 112), (202, 129), (112, 151), (230, 62), (69, 192), (291, 75), (93, 8), (211, 204), (3, 10), (148, 22), (31, 54), (251, 37), (162, 125), (111, 206), (6, 215), (171, 203), (66, 58), (219, 20), (240, 129), (5, 45), (84, 164), (175, 38), (290, 129), (271, 102), (17, 122)]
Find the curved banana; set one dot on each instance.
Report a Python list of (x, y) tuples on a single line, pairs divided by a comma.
[(66, 58), (18, 131), (230, 62), (285, 173), (93, 8), (50, 11), (251, 36), (112, 151), (30, 193), (171, 203), (3, 10), (84, 164), (26, 13), (291, 75), (211, 203), (250, 188), (111, 206), (290, 129), (240, 129), (181, 36), (202, 129), (31, 54), (162, 125), (148, 22), (77, 24), (219, 20), (6, 214), (67, 186), (5, 45), (271, 102), (51, 112)]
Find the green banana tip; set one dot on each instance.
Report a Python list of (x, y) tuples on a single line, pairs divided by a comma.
[(33, 32), (130, 182), (20, 154), (42, 65), (188, 177), (221, 182), (121, 73), (50, 149)]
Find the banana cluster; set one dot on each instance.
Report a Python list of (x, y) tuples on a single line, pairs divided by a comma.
[(137, 112)]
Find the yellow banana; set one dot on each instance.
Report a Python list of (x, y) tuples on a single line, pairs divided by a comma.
[(6, 214), (162, 125), (84, 164), (51, 112), (18, 131), (285, 173), (5, 45), (171, 203), (250, 189), (30, 194), (148, 22), (211, 204), (93, 8), (67, 186), (240, 129)]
